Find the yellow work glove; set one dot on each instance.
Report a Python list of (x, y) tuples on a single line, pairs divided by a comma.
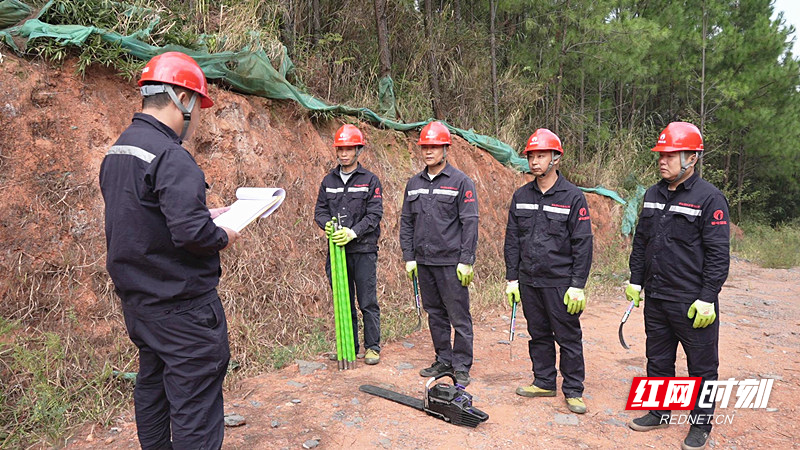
[(575, 299), (411, 269), (342, 236), (512, 292), (329, 228), (702, 313), (464, 273), (633, 292)]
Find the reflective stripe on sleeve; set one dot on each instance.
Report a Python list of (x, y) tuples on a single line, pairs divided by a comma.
[(140, 153)]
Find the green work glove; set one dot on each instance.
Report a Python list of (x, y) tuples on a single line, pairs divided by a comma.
[(329, 228), (702, 313), (633, 292), (575, 299), (342, 236), (512, 292), (464, 273), (411, 269)]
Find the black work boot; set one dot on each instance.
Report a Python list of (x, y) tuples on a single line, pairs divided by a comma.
[(436, 369), (648, 422), (462, 378), (695, 440)]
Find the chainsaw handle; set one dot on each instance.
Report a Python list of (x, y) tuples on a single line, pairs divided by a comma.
[(437, 377)]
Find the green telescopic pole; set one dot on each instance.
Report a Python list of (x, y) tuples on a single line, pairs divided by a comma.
[(334, 289), (348, 322), (343, 320)]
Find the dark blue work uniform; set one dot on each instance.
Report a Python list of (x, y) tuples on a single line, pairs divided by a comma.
[(548, 248), (163, 257), (439, 230), (681, 253), (359, 205)]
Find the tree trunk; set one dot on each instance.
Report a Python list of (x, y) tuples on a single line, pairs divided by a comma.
[(493, 46), (315, 23), (384, 55), (562, 55), (599, 100), (433, 67), (740, 186), (288, 28), (457, 10), (583, 116), (699, 165)]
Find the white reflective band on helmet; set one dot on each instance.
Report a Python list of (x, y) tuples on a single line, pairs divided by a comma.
[(685, 210), (334, 190), (140, 153), (553, 209), (446, 192), (531, 206), (653, 205), (358, 189), (419, 191)]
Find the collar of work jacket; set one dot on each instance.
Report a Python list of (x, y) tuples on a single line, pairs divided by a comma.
[(158, 125), (663, 185), (561, 184), (447, 171), (336, 171)]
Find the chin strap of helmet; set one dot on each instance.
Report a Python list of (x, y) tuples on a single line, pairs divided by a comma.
[(355, 160), (553, 161), (685, 164), (148, 90)]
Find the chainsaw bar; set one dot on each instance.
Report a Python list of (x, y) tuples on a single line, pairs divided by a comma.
[(415, 403)]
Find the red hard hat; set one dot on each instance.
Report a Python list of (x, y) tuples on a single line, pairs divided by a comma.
[(679, 137), (178, 69), (347, 136), (434, 133), (543, 139)]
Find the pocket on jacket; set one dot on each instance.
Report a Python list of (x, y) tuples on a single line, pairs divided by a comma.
[(685, 229)]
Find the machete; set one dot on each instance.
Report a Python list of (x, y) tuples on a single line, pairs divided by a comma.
[(511, 329), (622, 323), (417, 301)]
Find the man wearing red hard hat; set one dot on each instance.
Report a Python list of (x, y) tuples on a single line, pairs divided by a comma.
[(354, 196), (163, 257), (438, 237), (680, 260), (548, 254)]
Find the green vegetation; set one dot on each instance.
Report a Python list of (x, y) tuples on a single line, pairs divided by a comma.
[(52, 382), (775, 247), (605, 75)]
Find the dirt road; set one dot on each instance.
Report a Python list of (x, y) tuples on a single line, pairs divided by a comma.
[(760, 314)]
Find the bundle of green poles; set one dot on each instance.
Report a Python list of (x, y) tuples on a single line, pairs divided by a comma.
[(345, 348)]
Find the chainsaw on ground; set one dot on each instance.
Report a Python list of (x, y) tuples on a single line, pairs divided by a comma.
[(450, 403)]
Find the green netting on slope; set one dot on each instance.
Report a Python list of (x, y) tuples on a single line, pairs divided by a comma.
[(251, 72), (631, 212), (11, 12)]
